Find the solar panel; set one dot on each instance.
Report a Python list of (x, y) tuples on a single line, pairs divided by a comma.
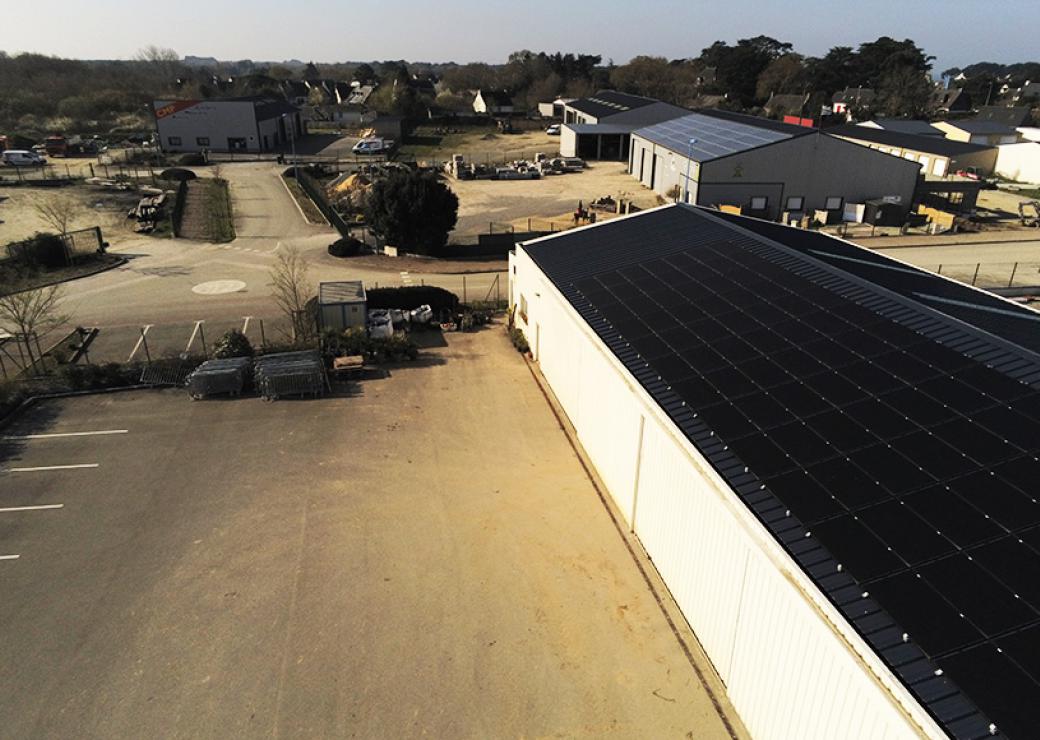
[(714, 138), (914, 465)]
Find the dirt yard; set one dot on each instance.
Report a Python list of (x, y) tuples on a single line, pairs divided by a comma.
[(89, 206), (550, 199), (478, 144)]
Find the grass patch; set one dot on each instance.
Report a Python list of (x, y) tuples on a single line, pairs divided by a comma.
[(477, 144), (310, 210), (219, 220)]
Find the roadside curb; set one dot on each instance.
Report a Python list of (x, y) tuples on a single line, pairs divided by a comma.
[(324, 221), (118, 263), (32, 400)]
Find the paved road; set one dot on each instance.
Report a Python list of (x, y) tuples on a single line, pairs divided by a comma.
[(330, 568), (156, 285), (967, 253)]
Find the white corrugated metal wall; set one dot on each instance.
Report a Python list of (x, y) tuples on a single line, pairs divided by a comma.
[(792, 667)]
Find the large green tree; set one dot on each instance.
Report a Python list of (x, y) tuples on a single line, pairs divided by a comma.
[(413, 211)]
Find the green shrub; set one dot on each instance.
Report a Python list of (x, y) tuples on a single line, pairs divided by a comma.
[(516, 335), (355, 341), (348, 246), (233, 344), (39, 251)]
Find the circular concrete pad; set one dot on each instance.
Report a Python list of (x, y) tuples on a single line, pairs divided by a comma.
[(218, 287)]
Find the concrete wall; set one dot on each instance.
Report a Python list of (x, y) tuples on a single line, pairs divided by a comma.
[(1019, 162), (813, 167), (568, 142), (792, 665)]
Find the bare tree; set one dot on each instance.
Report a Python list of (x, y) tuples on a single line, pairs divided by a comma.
[(57, 211), (32, 314), (157, 54), (291, 287)]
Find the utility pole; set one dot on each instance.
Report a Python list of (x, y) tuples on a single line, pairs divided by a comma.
[(689, 158)]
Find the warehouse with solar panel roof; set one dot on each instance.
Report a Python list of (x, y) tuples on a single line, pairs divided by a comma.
[(831, 457), (766, 169)]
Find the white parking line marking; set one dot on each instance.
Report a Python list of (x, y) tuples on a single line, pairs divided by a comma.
[(52, 467), (9, 557), (41, 507), (66, 434)]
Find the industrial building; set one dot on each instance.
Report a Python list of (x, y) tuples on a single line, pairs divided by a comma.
[(599, 126), (226, 125), (830, 457), (764, 167), (937, 156), (972, 131)]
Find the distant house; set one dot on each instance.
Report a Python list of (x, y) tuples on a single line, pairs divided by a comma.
[(973, 131), (296, 91), (952, 101), (493, 103), (1028, 93), (779, 106), (861, 98), (599, 126), (554, 108), (903, 126), (1011, 116), (424, 84)]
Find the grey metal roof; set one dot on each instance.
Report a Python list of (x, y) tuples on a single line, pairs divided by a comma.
[(342, 291), (976, 126), (904, 126), (602, 128), (609, 102), (928, 144), (714, 137)]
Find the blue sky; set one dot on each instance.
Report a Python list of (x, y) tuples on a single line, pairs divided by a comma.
[(957, 32)]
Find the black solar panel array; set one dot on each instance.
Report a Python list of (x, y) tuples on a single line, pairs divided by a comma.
[(857, 440)]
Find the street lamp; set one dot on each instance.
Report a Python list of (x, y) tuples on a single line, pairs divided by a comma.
[(689, 158), (292, 142)]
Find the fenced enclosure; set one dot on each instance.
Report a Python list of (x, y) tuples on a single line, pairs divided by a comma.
[(991, 275)]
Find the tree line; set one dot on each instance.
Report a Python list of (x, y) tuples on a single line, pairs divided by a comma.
[(42, 94)]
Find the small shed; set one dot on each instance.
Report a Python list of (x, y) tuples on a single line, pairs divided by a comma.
[(341, 304)]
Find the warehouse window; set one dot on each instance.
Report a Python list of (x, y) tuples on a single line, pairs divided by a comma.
[(759, 203), (833, 203), (795, 203), (523, 308), (174, 140), (202, 140)]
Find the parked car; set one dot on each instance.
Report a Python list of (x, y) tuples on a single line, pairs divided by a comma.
[(23, 158), (553, 130)]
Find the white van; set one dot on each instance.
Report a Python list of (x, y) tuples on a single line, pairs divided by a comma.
[(373, 146), (23, 158)]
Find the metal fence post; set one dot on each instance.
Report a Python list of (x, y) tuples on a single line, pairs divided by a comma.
[(1014, 269), (976, 275), (144, 340), (939, 271)]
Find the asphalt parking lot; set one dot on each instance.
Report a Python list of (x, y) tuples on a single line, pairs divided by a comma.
[(418, 555)]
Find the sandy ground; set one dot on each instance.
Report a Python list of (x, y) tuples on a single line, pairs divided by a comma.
[(90, 206), (421, 555), (483, 202)]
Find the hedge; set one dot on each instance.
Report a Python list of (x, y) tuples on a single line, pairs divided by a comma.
[(412, 296)]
